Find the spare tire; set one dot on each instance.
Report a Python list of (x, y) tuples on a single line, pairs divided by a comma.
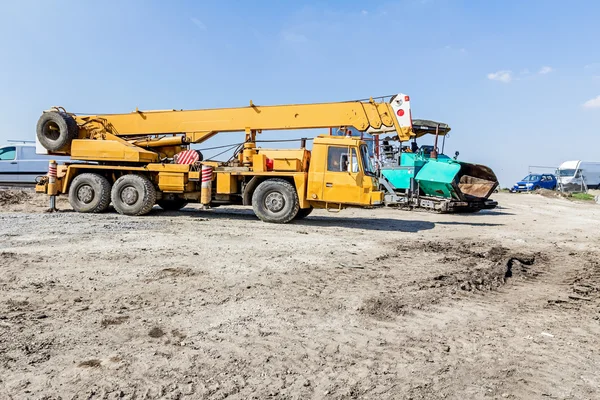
[(55, 130)]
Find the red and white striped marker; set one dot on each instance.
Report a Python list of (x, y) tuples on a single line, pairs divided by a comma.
[(52, 174), (206, 175), (187, 157), (52, 167), (206, 187)]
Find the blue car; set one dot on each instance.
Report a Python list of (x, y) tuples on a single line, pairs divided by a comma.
[(535, 182)]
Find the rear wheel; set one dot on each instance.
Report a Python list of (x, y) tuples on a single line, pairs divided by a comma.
[(89, 193), (275, 200), (303, 213), (133, 195), (172, 204)]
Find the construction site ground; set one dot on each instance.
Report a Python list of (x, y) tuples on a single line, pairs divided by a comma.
[(367, 304)]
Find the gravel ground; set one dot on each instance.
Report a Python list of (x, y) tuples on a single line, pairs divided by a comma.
[(367, 304)]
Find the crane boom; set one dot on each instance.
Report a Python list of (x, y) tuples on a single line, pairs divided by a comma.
[(360, 115)]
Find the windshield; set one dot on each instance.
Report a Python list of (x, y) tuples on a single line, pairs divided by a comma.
[(566, 172), (531, 178), (366, 161)]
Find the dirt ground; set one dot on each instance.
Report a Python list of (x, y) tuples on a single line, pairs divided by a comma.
[(366, 304)]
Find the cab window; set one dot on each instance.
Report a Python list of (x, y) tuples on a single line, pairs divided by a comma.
[(8, 153), (337, 159), (354, 162)]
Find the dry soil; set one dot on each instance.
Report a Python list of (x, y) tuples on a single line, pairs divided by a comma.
[(367, 304)]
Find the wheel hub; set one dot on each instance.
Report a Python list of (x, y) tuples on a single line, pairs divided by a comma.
[(274, 202), (129, 195), (51, 130), (85, 194)]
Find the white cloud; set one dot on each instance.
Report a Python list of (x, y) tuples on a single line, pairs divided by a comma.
[(501, 76), (592, 103), (294, 37), (462, 50), (364, 12), (198, 23), (545, 70)]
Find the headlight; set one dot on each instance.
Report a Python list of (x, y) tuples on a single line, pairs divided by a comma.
[(529, 184)]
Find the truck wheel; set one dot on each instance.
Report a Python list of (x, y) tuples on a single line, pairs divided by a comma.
[(172, 204), (89, 193), (275, 200), (536, 187), (303, 213), (133, 195), (55, 130)]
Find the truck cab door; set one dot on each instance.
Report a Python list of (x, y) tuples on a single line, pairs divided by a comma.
[(342, 179), (9, 166)]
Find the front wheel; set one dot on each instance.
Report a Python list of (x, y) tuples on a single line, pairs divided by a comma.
[(275, 200), (133, 195)]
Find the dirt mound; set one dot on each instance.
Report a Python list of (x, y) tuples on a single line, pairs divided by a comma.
[(475, 268), (10, 197), (551, 193)]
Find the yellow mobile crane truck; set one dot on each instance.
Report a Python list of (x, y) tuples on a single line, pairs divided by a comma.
[(143, 158)]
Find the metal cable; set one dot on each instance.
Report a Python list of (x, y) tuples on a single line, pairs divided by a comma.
[(221, 147), (225, 151), (256, 141), (282, 140)]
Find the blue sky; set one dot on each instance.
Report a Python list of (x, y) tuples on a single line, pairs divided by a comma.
[(519, 82)]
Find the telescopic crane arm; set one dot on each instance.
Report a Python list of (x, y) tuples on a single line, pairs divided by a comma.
[(200, 125), (140, 136)]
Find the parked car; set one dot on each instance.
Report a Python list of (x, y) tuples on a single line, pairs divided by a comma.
[(20, 164), (535, 182)]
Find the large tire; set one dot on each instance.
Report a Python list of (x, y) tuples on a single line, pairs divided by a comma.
[(172, 204), (55, 130), (89, 193), (303, 213), (275, 200), (133, 195)]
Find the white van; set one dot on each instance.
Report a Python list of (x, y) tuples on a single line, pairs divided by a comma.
[(20, 164), (573, 174)]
